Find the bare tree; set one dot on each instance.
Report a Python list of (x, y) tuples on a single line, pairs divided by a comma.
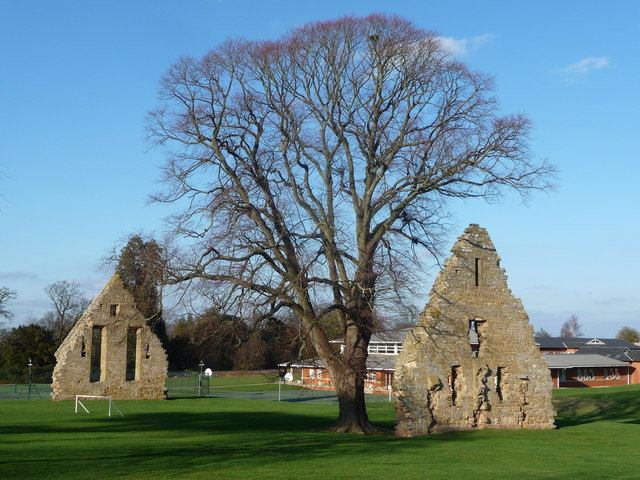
[(313, 171), (6, 294), (571, 328), (69, 304)]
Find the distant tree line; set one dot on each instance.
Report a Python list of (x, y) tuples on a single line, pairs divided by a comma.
[(222, 342), (37, 342)]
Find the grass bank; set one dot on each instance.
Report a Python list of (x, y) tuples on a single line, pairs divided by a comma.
[(223, 438)]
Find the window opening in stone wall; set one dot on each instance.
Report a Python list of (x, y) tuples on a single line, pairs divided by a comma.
[(113, 309), (499, 380), (96, 354), (132, 356), (477, 271), (474, 338), (453, 378), (83, 348), (147, 355)]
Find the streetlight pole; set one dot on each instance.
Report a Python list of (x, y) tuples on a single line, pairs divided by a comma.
[(200, 379), (30, 379)]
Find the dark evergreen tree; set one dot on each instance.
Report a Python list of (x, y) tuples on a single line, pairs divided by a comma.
[(22, 345), (140, 266)]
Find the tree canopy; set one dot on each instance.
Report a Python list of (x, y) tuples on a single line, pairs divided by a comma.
[(541, 332), (313, 172), (23, 345), (140, 265), (629, 334)]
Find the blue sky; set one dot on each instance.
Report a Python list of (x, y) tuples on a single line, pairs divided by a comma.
[(78, 77)]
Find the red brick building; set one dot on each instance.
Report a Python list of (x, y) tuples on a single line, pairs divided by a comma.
[(573, 362), (587, 370)]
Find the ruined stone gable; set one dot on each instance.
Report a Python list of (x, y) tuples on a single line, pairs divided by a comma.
[(111, 351), (442, 382)]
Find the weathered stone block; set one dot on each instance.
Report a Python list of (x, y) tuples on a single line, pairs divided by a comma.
[(504, 383)]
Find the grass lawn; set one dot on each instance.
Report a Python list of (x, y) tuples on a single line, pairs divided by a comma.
[(598, 438)]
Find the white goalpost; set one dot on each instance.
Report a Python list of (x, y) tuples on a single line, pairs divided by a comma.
[(96, 397)]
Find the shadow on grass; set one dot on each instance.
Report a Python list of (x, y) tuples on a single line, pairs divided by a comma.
[(170, 438), (305, 399), (179, 418)]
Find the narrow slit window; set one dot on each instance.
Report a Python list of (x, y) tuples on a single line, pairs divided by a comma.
[(96, 354), (499, 380), (474, 338), (477, 271), (113, 309), (83, 351), (132, 356), (453, 380)]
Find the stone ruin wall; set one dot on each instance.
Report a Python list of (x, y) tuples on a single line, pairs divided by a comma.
[(440, 384), (115, 315)]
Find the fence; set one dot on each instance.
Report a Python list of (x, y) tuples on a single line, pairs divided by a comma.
[(188, 385), (262, 386), (12, 391), (191, 384), (39, 374)]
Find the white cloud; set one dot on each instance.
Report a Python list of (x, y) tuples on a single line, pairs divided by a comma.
[(585, 66), (462, 46), (19, 276)]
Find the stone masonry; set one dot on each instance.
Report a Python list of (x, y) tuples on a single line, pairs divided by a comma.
[(111, 351), (443, 382)]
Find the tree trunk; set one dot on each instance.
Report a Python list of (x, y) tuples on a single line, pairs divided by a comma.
[(348, 372), (353, 418)]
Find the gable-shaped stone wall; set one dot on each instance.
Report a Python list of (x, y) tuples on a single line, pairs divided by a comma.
[(111, 351), (441, 383)]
